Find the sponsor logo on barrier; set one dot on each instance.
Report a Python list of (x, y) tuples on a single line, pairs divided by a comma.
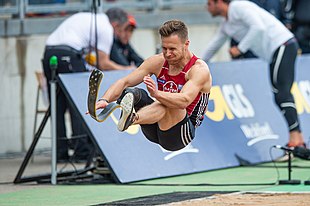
[(256, 132), (188, 149), (301, 93), (229, 102)]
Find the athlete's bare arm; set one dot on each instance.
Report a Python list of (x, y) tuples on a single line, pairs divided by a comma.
[(150, 66), (198, 80)]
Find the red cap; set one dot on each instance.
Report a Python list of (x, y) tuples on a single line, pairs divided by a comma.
[(132, 21)]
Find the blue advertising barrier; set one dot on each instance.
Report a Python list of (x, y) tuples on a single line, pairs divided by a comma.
[(242, 122)]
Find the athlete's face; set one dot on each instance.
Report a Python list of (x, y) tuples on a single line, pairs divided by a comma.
[(174, 48)]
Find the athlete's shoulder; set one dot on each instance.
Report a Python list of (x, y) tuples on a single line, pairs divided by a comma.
[(201, 65), (200, 74), (200, 68), (153, 64), (156, 60), (157, 57)]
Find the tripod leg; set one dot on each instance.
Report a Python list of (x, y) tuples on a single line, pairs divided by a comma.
[(32, 146)]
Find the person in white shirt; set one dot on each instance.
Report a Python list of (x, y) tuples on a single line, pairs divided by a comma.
[(70, 42), (257, 30)]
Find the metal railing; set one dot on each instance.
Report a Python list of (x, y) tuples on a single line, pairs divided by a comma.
[(27, 17), (20, 8), (9, 7)]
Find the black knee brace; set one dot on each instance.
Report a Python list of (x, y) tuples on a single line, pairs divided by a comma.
[(144, 99), (141, 97), (285, 102)]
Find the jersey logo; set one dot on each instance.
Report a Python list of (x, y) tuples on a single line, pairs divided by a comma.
[(180, 86), (161, 81), (171, 87)]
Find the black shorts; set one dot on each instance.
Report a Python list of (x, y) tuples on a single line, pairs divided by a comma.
[(175, 138)]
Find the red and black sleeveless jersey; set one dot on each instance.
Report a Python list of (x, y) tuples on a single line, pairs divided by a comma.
[(174, 84)]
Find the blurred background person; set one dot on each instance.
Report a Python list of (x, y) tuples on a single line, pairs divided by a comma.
[(257, 30), (273, 7), (122, 52)]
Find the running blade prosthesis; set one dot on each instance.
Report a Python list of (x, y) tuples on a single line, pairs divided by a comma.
[(95, 79)]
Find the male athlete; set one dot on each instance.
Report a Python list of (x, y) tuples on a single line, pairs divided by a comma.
[(180, 97)]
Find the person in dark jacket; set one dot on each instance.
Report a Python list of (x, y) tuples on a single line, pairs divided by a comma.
[(122, 52), (297, 19)]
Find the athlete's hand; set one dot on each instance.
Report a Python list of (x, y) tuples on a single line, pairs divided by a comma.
[(101, 104), (150, 85)]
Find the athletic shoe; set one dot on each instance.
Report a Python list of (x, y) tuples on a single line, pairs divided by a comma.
[(285, 157), (128, 113), (300, 151)]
